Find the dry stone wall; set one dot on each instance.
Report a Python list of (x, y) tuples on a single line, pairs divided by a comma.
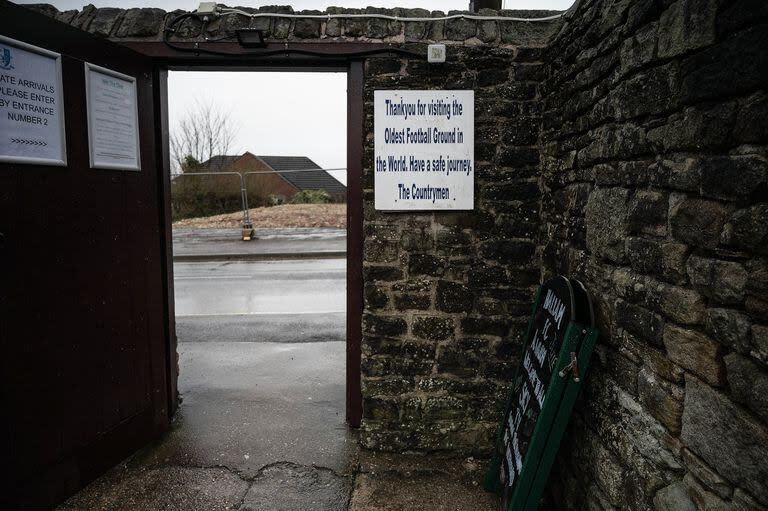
[(655, 193), (624, 145)]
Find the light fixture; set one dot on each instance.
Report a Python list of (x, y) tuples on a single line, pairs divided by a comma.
[(251, 38)]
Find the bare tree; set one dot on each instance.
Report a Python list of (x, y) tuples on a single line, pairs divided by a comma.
[(205, 131)]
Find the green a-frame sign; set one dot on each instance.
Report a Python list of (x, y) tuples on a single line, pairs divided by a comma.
[(555, 357)]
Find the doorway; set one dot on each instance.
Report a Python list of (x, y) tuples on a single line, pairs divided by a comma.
[(260, 323)]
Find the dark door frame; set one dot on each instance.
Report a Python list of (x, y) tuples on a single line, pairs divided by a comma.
[(166, 59)]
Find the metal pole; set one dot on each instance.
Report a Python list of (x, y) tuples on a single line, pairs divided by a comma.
[(247, 231)]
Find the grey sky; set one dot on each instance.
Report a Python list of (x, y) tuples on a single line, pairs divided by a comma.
[(287, 114), (283, 114)]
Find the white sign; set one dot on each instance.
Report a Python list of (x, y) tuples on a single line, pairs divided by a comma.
[(31, 106), (424, 149), (113, 119)]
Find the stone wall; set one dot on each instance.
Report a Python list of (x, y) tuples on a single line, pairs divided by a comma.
[(655, 193), (447, 294)]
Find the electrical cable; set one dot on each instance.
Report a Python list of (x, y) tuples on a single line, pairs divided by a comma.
[(170, 29), (388, 17), (224, 11)]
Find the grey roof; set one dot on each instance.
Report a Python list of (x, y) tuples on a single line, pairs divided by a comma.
[(320, 180), (218, 163)]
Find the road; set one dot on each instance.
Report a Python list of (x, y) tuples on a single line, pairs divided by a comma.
[(264, 301)]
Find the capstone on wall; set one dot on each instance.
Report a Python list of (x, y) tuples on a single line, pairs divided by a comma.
[(624, 145)]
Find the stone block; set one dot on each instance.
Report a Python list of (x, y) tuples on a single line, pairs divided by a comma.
[(644, 255), (723, 281), (730, 328), (307, 28), (485, 276), (460, 29), (706, 475), (681, 305), (760, 343), (379, 251), (375, 296), (727, 439), (453, 297), (640, 322), (663, 400), (686, 25), (648, 212), (433, 328), (752, 112), (700, 128), (749, 384), (697, 221), (673, 257), (640, 49), (406, 301), (710, 73), (748, 229), (426, 264), (44, 9), (281, 28), (380, 408), (145, 22), (505, 251), (82, 18), (733, 177), (695, 352), (658, 362), (485, 326), (459, 362), (374, 273), (384, 325), (615, 142), (650, 92), (104, 21), (704, 499), (673, 498), (333, 28), (492, 76), (446, 408), (606, 217)]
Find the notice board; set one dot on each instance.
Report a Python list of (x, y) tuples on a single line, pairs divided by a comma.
[(113, 119), (555, 357), (31, 105), (424, 143)]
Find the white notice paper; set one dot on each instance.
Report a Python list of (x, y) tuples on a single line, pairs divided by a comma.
[(31, 106), (113, 119), (424, 149)]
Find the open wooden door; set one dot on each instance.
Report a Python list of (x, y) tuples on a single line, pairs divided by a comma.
[(84, 285)]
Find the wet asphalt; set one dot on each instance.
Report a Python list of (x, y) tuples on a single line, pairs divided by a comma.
[(261, 424)]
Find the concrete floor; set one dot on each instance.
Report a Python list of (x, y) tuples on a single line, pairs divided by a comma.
[(261, 425)]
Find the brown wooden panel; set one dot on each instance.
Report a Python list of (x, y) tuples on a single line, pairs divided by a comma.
[(84, 301), (354, 241)]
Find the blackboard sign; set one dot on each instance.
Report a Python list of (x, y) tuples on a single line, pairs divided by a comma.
[(559, 340)]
